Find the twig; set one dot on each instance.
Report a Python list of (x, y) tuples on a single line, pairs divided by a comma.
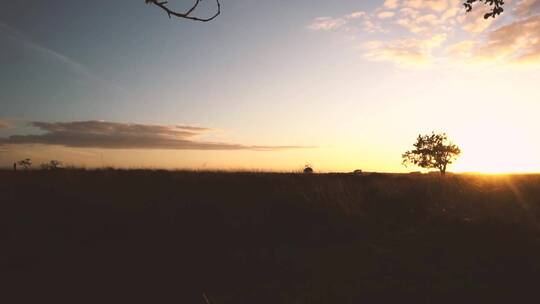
[(205, 298), (187, 14)]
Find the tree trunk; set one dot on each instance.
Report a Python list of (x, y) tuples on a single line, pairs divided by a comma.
[(443, 169)]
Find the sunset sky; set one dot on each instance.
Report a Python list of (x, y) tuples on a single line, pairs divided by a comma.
[(269, 85)]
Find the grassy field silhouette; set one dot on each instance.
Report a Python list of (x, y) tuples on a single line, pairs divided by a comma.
[(169, 237)]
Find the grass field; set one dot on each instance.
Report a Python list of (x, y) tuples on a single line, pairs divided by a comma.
[(113, 236)]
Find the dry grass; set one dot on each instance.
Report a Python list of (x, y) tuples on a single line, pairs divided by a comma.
[(168, 237)]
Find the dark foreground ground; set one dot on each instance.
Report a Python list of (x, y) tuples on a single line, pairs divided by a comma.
[(74, 236)]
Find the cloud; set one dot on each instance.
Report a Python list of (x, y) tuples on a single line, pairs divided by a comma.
[(511, 44), (527, 7), (418, 24), (474, 22), (463, 49), (518, 42), (435, 5), (349, 22), (425, 32), (4, 124), (111, 135), (405, 52), (326, 24), (400, 51), (355, 15), (391, 4), (385, 14)]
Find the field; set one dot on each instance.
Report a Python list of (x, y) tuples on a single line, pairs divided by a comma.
[(114, 236)]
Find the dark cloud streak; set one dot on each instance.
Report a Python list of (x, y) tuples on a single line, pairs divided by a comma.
[(109, 135)]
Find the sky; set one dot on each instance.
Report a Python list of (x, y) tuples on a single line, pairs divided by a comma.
[(268, 85)]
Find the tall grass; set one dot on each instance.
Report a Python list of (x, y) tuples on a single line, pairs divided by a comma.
[(169, 237)]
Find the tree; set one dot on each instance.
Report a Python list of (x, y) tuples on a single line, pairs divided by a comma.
[(432, 151), (52, 165), (188, 13), (497, 7), (25, 163)]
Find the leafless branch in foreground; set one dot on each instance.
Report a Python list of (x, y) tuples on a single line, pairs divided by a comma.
[(187, 14)]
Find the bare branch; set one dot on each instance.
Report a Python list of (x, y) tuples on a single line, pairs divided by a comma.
[(205, 298), (187, 14)]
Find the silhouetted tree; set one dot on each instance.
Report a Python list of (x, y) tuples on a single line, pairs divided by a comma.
[(52, 165), (187, 14), (432, 151), (25, 163), (497, 7), (308, 169)]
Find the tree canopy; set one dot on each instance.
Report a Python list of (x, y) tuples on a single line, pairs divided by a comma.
[(496, 7), (432, 151)]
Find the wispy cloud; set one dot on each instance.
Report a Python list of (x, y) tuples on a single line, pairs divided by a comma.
[(518, 42), (349, 22), (71, 64), (428, 32), (19, 37), (326, 24), (527, 7), (386, 14), (391, 4), (434, 5), (111, 135), (404, 51)]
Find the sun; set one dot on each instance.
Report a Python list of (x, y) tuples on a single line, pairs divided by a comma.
[(497, 148)]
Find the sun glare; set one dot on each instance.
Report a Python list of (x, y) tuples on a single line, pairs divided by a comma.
[(497, 148)]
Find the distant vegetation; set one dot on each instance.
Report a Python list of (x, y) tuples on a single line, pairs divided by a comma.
[(24, 164), (52, 165), (168, 237)]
